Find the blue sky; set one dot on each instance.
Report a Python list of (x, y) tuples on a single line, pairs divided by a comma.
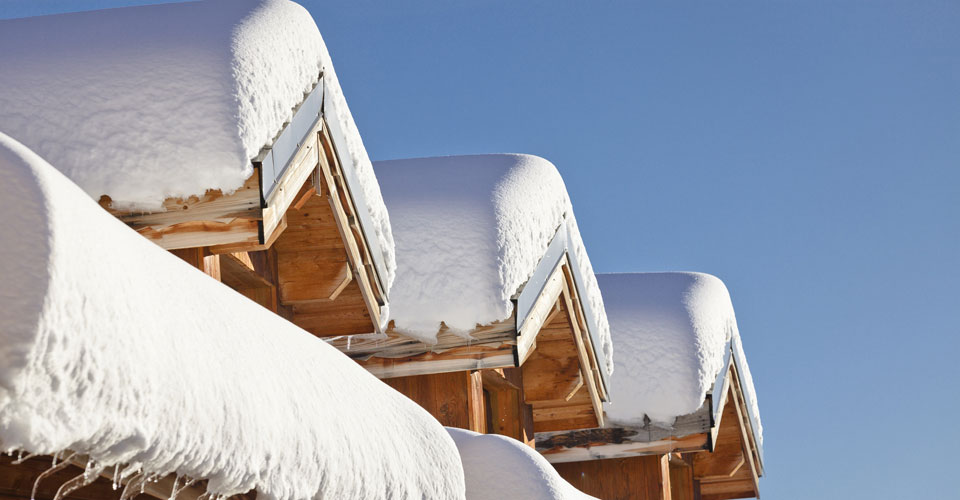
[(806, 152)]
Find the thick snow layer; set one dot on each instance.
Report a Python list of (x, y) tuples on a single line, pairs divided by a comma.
[(145, 103), (501, 468), (112, 347), (470, 231), (671, 331)]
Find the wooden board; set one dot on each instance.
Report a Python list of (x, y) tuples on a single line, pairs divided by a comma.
[(633, 478), (215, 218), (682, 484), (559, 381), (454, 399)]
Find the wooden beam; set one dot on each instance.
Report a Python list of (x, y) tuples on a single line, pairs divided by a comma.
[(251, 246), (301, 166), (588, 341), (306, 192), (200, 259), (543, 309), (584, 357), (328, 164), (493, 378), (476, 409), (574, 388), (214, 218)]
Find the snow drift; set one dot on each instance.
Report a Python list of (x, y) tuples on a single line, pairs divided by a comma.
[(672, 331), (114, 348), (501, 468), (470, 231), (146, 103)]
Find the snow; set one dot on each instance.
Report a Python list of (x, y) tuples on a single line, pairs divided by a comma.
[(671, 331), (501, 468), (112, 347), (469, 233), (146, 103)]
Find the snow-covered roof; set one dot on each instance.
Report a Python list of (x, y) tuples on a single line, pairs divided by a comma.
[(470, 231), (112, 347), (146, 103), (673, 332), (501, 468)]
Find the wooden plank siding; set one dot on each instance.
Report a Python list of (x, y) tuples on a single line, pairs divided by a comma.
[(632, 478), (455, 399), (559, 381)]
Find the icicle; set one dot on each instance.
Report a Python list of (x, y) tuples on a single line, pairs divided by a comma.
[(187, 481), (349, 339), (53, 468), (130, 471), (116, 477), (56, 456), (173, 491), (21, 458), (92, 470), (129, 491), (90, 474)]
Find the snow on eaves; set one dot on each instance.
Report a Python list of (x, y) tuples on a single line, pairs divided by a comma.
[(672, 330), (145, 103), (501, 468), (112, 347), (470, 231)]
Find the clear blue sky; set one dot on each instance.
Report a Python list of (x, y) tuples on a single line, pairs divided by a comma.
[(806, 152)]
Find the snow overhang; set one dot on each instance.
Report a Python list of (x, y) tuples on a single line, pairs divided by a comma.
[(489, 253), (125, 354), (682, 381), (185, 120)]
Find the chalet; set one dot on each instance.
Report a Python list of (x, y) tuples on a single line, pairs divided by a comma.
[(199, 230), (497, 324), (244, 162), (683, 422), (123, 364)]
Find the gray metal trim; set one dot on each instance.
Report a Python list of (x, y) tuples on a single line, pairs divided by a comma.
[(716, 391), (534, 286), (356, 193), (560, 246), (275, 160)]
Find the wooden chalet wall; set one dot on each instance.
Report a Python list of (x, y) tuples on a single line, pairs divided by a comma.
[(632, 478), (710, 463), (541, 379), (484, 401)]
